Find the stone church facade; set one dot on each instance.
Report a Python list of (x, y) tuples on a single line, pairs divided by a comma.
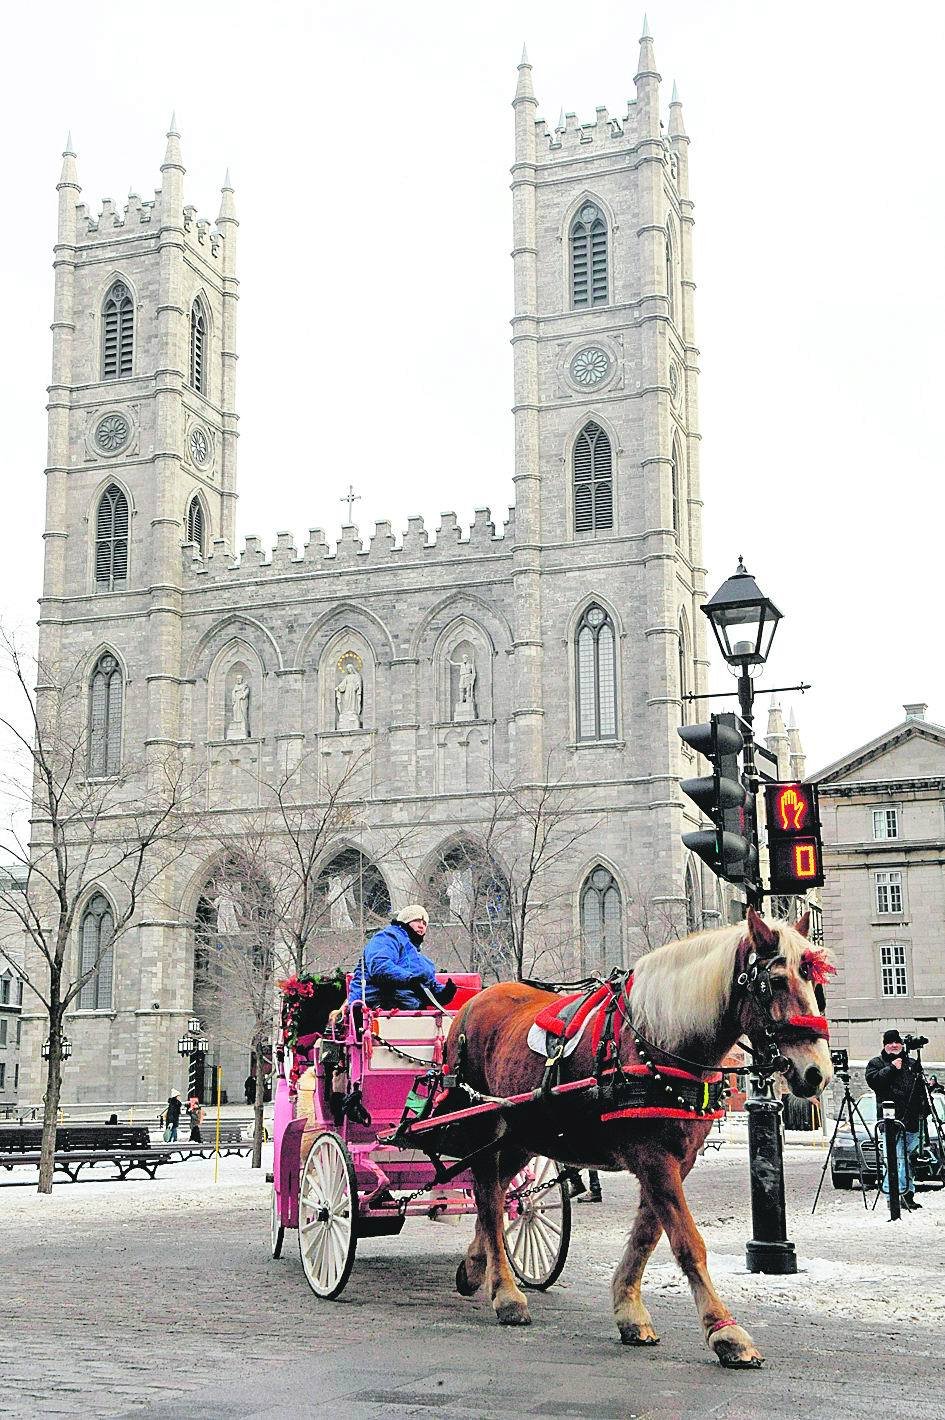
[(433, 662)]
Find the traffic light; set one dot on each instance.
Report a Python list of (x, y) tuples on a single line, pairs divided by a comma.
[(794, 847), (727, 847)]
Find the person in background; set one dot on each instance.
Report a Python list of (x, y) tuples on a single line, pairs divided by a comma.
[(172, 1117), (892, 1076), (195, 1111), (249, 1089)]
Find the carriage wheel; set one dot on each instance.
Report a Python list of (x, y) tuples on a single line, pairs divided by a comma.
[(328, 1216), (276, 1228), (537, 1225)]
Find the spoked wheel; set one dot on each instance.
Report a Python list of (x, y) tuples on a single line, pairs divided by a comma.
[(328, 1216), (276, 1228), (537, 1225)]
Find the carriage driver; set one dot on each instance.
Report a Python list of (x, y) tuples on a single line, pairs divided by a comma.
[(397, 976)]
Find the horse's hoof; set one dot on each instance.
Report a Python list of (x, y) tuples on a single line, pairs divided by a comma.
[(738, 1358), (464, 1287), (635, 1334), (513, 1313)]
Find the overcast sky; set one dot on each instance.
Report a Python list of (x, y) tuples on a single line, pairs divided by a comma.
[(370, 145)]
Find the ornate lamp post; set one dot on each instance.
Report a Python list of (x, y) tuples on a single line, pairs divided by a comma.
[(744, 621), (65, 1048), (193, 1045)]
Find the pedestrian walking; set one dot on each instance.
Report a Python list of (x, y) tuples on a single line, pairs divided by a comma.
[(195, 1111), (172, 1117), (249, 1089)]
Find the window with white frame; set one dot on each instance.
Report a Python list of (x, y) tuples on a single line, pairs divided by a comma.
[(893, 973), (885, 823), (888, 893)]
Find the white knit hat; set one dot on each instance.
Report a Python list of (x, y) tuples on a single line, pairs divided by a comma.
[(413, 912)]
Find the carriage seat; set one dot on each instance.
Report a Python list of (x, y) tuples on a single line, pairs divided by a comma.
[(468, 984)]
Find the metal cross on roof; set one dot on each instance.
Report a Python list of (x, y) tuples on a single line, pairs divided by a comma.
[(350, 498)]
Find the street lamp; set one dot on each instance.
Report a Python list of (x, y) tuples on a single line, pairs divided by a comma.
[(744, 621), (65, 1048), (193, 1045)]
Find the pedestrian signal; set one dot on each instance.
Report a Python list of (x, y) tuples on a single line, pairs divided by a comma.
[(795, 850)]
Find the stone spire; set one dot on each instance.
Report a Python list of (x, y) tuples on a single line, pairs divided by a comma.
[(677, 126), (172, 179), (647, 81), (524, 88), (227, 203), (798, 757), (69, 190), (776, 739), (172, 154)]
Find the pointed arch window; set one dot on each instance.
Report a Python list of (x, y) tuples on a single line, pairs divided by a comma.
[(118, 333), (671, 271), (111, 539), (96, 955), (593, 480), (596, 656), (602, 921), (675, 488), (195, 524), (105, 713), (693, 914), (588, 244), (684, 662), (198, 348)]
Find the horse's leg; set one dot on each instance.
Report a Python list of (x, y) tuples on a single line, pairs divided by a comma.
[(633, 1320), (660, 1176), (491, 1177), (471, 1272)]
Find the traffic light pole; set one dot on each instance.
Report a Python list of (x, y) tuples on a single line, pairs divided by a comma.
[(769, 1249)]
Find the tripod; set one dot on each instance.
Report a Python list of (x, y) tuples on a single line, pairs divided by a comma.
[(847, 1114), (925, 1155)]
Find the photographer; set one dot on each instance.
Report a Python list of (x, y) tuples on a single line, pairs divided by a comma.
[(893, 1076)]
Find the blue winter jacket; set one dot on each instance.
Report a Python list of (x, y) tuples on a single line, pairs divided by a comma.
[(394, 968)]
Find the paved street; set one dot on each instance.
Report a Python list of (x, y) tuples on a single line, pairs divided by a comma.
[(161, 1298)]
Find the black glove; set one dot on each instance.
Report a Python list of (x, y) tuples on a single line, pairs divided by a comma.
[(445, 993)]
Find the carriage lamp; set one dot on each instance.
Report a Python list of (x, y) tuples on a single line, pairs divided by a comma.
[(743, 619), (201, 1044), (186, 1045), (65, 1048)]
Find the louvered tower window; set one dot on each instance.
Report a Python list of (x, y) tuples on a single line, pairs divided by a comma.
[(195, 524), (118, 333), (683, 674), (198, 348), (105, 707), (588, 241), (593, 480), (95, 936), (596, 658), (602, 921), (111, 539), (693, 912)]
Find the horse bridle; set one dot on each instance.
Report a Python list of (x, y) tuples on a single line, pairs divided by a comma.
[(755, 983)]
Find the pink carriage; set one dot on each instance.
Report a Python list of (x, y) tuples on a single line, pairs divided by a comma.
[(351, 1097)]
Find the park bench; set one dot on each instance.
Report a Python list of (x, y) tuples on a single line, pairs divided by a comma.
[(27, 1138), (231, 1142), (72, 1161)]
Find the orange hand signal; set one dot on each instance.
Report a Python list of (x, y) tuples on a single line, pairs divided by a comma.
[(792, 808)]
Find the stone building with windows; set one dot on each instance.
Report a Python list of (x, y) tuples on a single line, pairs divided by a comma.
[(434, 661), (882, 811)]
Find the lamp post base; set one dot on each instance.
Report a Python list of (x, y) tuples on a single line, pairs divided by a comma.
[(772, 1257)]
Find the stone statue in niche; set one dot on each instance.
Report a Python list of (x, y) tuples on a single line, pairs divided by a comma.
[(463, 676), (238, 728), (339, 914), (459, 894), (224, 905), (349, 693)]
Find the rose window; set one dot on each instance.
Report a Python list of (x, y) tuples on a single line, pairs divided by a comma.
[(112, 433), (590, 366)]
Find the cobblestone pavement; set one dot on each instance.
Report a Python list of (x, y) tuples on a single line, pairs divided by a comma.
[(137, 1298)]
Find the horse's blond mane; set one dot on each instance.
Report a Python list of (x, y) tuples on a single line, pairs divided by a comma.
[(681, 991)]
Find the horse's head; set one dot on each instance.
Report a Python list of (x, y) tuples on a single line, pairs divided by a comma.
[(783, 983)]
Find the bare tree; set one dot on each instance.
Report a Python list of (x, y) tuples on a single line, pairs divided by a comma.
[(84, 833), (653, 918), (500, 893)]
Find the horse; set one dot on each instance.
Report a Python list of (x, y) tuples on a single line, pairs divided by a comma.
[(685, 1005)]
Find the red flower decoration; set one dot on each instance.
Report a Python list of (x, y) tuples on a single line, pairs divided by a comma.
[(816, 967)]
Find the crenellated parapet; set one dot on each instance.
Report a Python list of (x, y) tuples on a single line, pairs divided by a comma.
[(111, 223), (486, 538), (603, 133)]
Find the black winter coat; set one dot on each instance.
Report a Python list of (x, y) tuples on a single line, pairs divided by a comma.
[(903, 1087), (172, 1113)]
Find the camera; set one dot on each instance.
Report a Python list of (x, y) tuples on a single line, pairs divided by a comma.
[(840, 1059), (915, 1042)]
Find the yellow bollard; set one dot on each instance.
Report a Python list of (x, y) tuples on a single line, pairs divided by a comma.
[(216, 1157)]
